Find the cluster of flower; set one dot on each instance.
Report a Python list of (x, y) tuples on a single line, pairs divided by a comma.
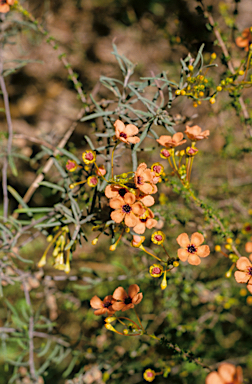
[(119, 301)]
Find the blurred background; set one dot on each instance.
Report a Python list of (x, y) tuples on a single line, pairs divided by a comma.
[(200, 310)]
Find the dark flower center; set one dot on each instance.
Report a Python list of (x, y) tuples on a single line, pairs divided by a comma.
[(156, 270), (128, 300), (122, 134), (140, 180), (144, 220), (2, 2), (248, 228), (158, 237), (89, 156), (107, 304), (250, 271), (122, 192), (191, 249), (150, 374), (126, 208)]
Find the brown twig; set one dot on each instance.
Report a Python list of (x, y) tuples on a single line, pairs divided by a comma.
[(230, 67), (49, 162), (34, 140), (41, 335), (10, 129)]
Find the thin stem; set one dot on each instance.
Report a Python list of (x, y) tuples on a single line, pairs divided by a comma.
[(126, 318), (165, 251), (180, 351), (138, 318), (230, 66), (10, 128), (143, 249), (112, 160)]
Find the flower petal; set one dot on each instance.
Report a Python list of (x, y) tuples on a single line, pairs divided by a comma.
[(95, 302), (214, 378), (139, 228), (227, 372), (138, 209), (203, 251), (120, 294), (110, 191), (117, 216), (130, 220), (147, 200), (131, 130), (116, 202), (119, 126), (101, 311), (129, 198), (241, 277), (164, 140), (133, 140), (243, 263), (133, 290), (151, 223), (128, 306), (177, 137), (182, 254), (249, 287), (137, 298), (197, 239), (118, 306), (248, 247), (183, 240), (194, 259)]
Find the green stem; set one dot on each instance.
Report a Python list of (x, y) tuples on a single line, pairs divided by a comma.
[(143, 249)]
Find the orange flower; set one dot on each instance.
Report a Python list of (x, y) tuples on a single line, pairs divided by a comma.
[(192, 250), (244, 40), (126, 209), (126, 133), (103, 307), (145, 179), (145, 221), (5, 5), (126, 301), (244, 273), (171, 142), (227, 374), (115, 191), (195, 133)]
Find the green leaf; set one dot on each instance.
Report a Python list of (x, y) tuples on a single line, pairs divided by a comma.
[(97, 114), (51, 185), (13, 166), (34, 210)]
